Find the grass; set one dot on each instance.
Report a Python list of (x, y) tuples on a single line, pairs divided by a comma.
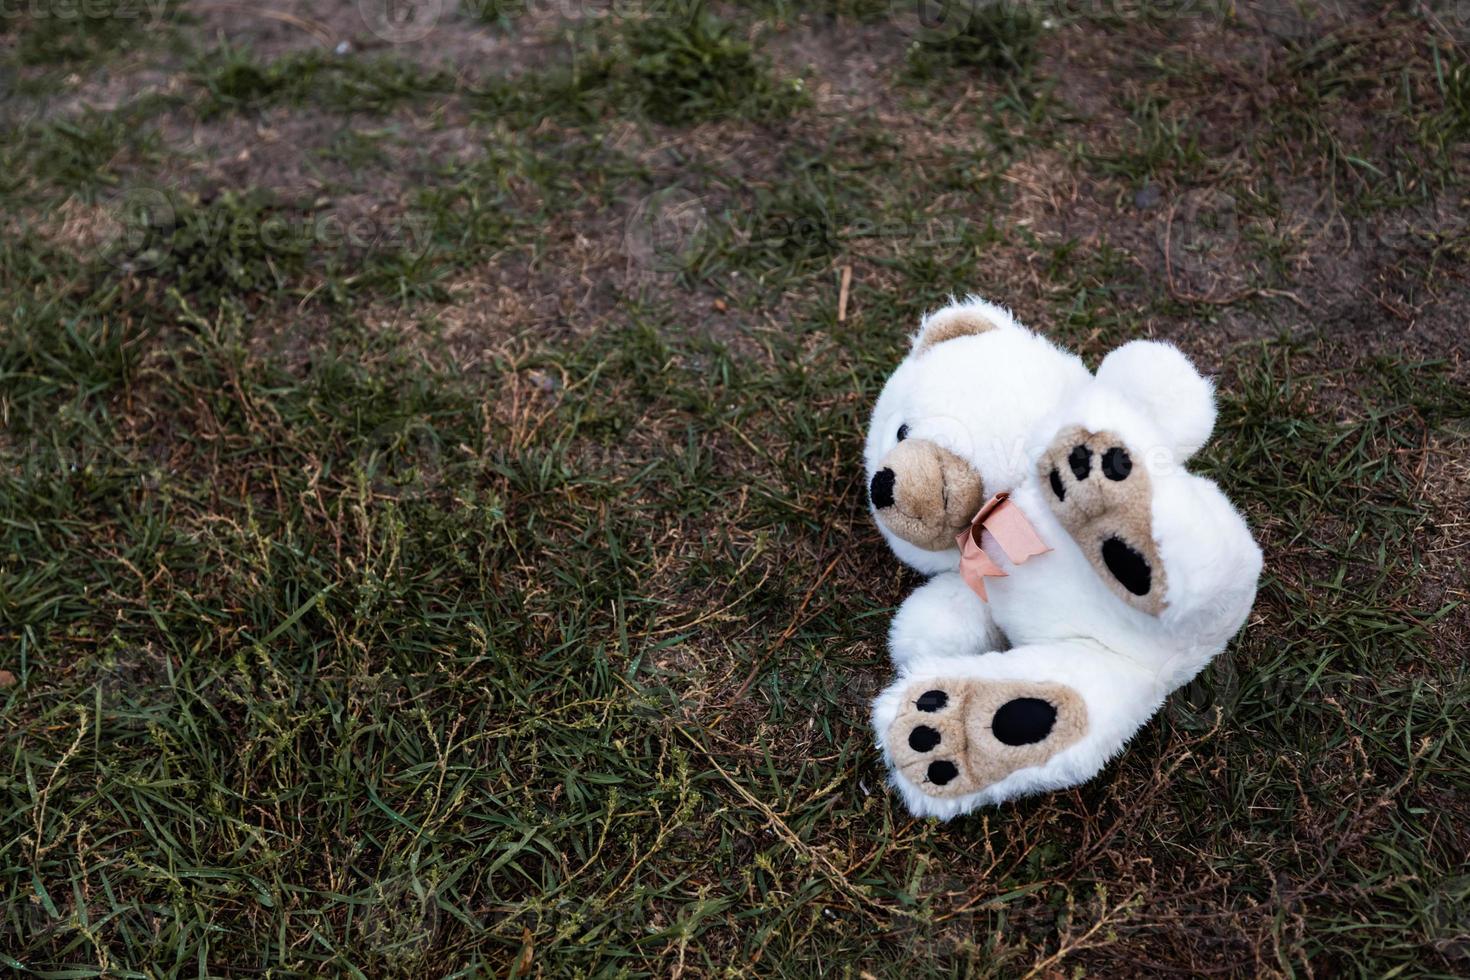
[(678, 64), (693, 67), (999, 38), (52, 32), (231, 79), (481, 594)]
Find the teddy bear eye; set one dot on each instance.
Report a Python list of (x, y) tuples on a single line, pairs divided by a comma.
[(903, 432)]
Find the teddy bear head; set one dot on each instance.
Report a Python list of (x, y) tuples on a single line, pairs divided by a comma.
[(1146, 558), (951, 426)]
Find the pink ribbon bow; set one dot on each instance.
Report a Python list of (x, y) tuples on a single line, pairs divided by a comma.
[(1010, 529)]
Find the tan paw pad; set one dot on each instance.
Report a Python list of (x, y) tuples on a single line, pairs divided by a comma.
[(955, 737), (1105, 501)]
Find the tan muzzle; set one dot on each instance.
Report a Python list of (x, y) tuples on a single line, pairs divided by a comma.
[(925, 494)]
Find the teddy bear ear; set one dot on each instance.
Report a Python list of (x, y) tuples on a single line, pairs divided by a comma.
[(970, 318), (1165, 386)]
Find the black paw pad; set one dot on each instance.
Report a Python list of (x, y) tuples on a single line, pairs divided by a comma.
[(1023, 721), (1080, 459), (1117, 464), (932, 700), (1056, 485), (1128, 566), (881, 489), (942, 772), (923, 738)]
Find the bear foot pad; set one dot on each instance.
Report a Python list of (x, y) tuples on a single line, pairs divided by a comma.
[(957, 736), (1105, 502)]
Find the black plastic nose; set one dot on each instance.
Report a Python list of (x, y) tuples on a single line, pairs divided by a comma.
[(881, 490)]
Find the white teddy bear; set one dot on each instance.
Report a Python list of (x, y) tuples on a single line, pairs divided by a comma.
[(1114, 574), (950, 429)]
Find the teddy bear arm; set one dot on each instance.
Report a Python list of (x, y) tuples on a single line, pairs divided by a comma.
[(943, 617)]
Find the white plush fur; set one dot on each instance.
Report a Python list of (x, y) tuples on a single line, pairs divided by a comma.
[(944, 618), (978, 396), (1065, 624), (1162, 384)]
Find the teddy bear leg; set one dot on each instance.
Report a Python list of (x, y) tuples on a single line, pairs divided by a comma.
[(961, 732), (943, 617)]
